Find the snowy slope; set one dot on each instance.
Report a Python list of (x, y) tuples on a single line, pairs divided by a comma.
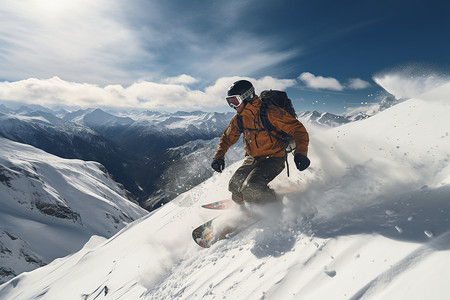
[(51, 206), (380, 193)]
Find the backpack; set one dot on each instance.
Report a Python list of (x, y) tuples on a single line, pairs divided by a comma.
[(280, 99)]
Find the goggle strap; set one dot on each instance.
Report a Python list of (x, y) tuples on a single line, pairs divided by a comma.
[(248, 93)]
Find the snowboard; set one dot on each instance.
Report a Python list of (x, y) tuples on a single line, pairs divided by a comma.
[(220, 228), (219, 205)]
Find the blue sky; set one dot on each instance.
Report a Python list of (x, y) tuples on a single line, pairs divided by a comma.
[(169, 55)]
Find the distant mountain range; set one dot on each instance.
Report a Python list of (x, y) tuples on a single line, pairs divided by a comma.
[(148, 133), (139, 148)]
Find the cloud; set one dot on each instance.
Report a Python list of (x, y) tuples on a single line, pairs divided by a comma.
[(357, 84), (181, 79), (268, 82), (144, 94), (320, 82), (329, 83)]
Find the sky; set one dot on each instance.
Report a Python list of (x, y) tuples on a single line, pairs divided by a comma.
[(183, 55)]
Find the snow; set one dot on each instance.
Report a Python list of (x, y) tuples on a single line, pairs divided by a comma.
[(32, 118), (370, 219), (52, 206)]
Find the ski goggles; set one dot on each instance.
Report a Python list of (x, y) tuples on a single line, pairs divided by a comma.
[(235, 100)]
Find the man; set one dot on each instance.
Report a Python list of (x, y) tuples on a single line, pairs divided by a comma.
[(265, 154)]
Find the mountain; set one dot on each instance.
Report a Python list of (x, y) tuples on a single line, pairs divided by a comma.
[(97, 119), (325, 119), (130, 149), (70, 140), (4, 109), (52, 206), (368, 220), (167, 144), (364, 112), (149, 133)]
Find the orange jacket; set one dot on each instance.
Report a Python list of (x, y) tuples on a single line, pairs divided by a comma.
[(258, 143)]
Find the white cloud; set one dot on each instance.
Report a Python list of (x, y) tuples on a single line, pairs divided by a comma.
[(329, 83), (320, 82), (357, 84), (181, 79), (268, 82), (143, 94)]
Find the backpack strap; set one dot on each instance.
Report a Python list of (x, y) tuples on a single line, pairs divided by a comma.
[(240, 123), (280, 135)]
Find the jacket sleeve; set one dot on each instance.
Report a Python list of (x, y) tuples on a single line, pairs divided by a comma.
[(229, 137), (283, 121)]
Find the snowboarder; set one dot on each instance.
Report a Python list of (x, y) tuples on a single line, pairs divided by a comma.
[(265, 154)]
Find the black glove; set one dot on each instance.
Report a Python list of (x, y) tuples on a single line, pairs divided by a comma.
[(218, 164), (301, 161)]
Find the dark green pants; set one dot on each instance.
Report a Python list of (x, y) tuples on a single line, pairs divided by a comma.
[(249, 182)]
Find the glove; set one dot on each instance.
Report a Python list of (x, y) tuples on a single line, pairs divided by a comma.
[(218, 164), (301, 161)]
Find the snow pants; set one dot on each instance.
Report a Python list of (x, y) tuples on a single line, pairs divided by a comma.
[(249, 182)]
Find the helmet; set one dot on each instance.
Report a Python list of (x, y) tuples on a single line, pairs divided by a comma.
[(240, 91), (240, 88)]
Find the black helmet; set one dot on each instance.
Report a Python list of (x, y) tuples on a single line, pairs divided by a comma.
[(242, 88)]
